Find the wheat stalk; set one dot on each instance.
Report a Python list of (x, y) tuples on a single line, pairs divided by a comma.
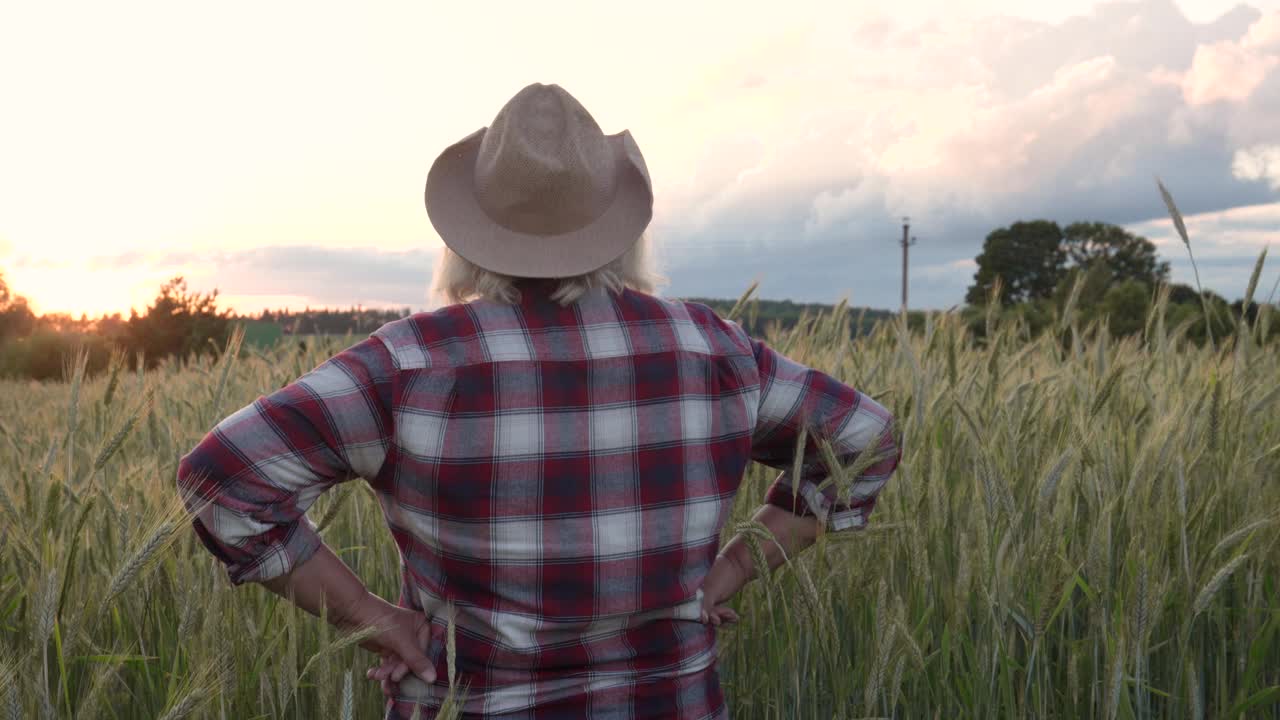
[(139, 560), (114, 366), (1186, 241), (917, 653), (47, 607), (348, 697), (896, 683), (451, 647), (1193, 692), (1253, 282), (9, 682), (74, 370), (755, 533), (1215, 415), (742, 302), (187, 705), (118, 439), (89, 706), (14, 709), (6, 503), (1215, 583), (1104, 392), (883, 653), (1182, 525), (336, 646), (1143, 601), (335, 505), (1237, 535), (1117, 678), (1049, 485)]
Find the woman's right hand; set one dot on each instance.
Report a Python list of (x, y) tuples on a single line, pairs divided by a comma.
[(723, 581), (717, 615)]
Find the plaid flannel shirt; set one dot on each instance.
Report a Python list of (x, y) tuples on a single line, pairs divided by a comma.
[(558, 476)]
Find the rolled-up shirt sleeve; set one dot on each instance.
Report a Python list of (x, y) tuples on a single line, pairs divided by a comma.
[(792, 397), (251, 479)]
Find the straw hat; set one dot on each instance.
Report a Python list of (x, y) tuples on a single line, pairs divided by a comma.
[(541, 192)]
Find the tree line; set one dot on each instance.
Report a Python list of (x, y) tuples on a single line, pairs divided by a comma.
[(326, 321), (1032, 271), (179, 322)]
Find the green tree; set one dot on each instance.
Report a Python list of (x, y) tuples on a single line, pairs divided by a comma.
[(1180, 293), (1125, 306), (1097, 278), (1128, 256), (16, 318), (1192, 313), (1028, 258), (179, 322)]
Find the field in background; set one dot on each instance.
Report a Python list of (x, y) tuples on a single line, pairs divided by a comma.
[(1079, 528)]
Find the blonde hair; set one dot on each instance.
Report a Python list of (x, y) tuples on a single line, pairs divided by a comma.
[(457, 280)]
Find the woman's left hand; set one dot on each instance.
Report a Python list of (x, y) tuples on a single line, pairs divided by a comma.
[(389, 671), (401, 646)]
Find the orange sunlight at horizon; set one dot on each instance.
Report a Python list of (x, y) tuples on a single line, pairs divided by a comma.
[(78, 292), (278, 151)]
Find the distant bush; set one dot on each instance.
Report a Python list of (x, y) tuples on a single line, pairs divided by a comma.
[(1125, 305), (179, 323), (43, 354), (758, 316), (1126, 308), (16, 318)]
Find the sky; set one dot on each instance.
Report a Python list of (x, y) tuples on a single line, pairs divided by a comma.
[(277, 151)]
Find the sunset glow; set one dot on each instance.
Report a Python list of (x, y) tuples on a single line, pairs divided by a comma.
[(225, 142)]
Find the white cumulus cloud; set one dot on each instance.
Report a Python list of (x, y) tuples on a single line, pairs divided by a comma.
[(1231, 70), (1265, 33), (1260, 162), (1226, 71)]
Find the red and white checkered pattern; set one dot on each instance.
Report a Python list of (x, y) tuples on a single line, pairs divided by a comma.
[(559, 474)]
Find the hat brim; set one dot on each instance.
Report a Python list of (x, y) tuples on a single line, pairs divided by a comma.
[(467, 230)]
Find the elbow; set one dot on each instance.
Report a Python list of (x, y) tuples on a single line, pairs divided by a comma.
[(888, 451), (193, 481), (895, 437), (183, 479)]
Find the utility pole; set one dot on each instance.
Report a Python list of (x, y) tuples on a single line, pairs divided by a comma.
[(907, 241)]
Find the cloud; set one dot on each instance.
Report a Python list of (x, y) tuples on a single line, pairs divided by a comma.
[(28, 262), (966, 126), (1264, 34), (1226, 244), (319, 276), (1239, 232), (965, 266), (118, 261), (789, 158), (1260, 162), (1231, 70), (330, 276)]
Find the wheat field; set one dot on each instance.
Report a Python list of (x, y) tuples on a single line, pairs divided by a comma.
[(1079, 528)]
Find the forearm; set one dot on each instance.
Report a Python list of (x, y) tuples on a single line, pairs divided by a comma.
[(325, 581), (734, 567)]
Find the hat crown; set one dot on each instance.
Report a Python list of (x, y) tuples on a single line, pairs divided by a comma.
[(544, 167), (541, 193)]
